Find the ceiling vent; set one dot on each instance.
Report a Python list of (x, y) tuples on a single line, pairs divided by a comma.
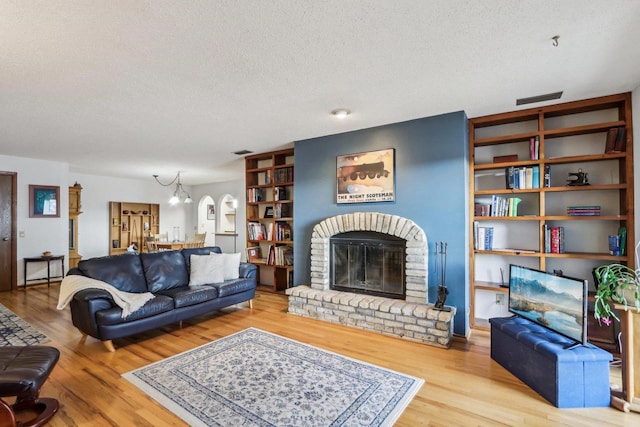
[(539, 98), (242, 152)]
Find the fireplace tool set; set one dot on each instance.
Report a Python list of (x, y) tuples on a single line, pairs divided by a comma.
[(441, 275)]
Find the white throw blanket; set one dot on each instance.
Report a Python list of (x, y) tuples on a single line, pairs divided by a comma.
[(128, 301)]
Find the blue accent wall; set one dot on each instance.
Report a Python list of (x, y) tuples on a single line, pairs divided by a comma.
[(432, 187)]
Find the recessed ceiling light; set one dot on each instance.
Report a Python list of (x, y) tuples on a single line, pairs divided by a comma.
[(341, 113), (242, 152)]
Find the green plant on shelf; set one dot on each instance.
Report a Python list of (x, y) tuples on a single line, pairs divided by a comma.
[(616, 284)]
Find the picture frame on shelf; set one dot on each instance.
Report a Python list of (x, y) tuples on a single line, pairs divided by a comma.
[(268, 212), (44, 201), (253, 254), (366, 177)]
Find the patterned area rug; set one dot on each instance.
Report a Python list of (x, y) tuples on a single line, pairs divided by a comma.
[(255, 378), (15, 331)]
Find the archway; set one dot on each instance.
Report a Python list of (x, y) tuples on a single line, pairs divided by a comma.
[(207, 219)]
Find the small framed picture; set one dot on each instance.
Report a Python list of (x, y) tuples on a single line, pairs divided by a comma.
[(268, 212), (211, 211), (253, 254), (44, 201)]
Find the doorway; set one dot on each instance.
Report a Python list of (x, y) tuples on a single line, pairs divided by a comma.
[(207, 220), (8, 257)]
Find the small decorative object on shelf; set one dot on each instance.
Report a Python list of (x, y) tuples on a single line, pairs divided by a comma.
[(46, 253), (616, 284), (441, 268), (578, 178)]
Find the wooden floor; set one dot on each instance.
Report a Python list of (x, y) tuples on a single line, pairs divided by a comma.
[(463, 386)]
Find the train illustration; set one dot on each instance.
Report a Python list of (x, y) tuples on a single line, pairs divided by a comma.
[(370, 170)]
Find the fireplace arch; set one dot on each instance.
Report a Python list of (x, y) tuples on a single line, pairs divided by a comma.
[(416, 256)]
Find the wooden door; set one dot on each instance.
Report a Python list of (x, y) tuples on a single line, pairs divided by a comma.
[(8, 278)]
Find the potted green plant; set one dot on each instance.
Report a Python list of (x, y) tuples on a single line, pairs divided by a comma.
[(616, 284)]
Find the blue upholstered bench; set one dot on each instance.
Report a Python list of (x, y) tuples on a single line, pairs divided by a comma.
[(568, 378)]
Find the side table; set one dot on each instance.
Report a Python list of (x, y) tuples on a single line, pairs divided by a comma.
[(48, 260)]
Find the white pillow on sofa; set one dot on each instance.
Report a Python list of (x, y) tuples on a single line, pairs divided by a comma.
[(206, 269), (231, 269)]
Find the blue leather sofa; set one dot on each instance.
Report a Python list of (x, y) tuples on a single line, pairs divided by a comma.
[(166, 275), (569, 378)]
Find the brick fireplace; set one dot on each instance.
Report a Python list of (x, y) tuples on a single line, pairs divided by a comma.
[(412, 318)]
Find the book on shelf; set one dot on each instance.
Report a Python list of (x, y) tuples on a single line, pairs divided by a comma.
[(255, 195), (259, 231), (534, 148), (283, 231), (610, 143), (283, 175), (506, 158), (536, 177), (282, 210), (622, 234), (592, 210), (553, 239), (264, 177), (280, 193), (547, 176), (522, 178), (621, 140), (483, 237), (499, 206), (614, 244)]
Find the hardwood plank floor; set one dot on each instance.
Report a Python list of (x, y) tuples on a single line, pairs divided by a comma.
[(463, 386)]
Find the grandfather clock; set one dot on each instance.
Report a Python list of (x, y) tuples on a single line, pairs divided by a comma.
[(74, 212)]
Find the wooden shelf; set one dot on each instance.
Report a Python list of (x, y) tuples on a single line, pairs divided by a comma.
[(571, 136), (276, 168), (138, 225)]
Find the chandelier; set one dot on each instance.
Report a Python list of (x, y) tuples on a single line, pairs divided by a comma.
[(180, 194)]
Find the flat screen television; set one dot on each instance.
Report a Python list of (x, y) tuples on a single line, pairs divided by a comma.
[(558, 303)]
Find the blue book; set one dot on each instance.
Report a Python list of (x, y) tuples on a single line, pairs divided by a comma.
[(536, 177)]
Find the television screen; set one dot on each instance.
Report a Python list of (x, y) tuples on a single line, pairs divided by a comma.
[(556, 302)]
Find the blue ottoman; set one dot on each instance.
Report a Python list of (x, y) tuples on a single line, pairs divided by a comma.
[(568, 378)]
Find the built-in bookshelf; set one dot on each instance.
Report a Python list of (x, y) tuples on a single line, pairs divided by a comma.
[(269, 186), (569, 169), (130, 223)]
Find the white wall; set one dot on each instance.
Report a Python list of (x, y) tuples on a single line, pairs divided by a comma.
[(98, 191), (51, 234), (40, 234), (216, 190)]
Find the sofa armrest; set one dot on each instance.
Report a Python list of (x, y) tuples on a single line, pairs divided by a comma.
[(84, 306), (248, 271)]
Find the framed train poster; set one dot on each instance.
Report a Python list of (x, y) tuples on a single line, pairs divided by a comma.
[(366, 177)]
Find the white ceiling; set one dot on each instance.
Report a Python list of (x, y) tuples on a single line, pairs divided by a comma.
[(134, 88)]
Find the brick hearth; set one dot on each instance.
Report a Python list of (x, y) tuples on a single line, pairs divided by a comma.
[(412, 319)]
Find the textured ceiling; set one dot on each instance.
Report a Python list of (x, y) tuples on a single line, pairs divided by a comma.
[(134, 88)]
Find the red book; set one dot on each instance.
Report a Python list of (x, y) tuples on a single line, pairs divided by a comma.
[(555, 240)]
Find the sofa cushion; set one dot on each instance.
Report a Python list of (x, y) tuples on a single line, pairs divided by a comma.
[(231, 268), (157, 305), (186, 296), (187, 252), (164, 270), (230, 287), (124, 272), (206, 269)]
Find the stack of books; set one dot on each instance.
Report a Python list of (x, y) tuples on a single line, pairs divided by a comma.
[(499, 206), (583, 210), (483, 238), (553, 240)]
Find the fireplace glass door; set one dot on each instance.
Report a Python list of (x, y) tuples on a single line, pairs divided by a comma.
[(370, 263)]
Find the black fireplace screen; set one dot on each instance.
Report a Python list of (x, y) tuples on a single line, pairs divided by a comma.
[(368, 262)]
